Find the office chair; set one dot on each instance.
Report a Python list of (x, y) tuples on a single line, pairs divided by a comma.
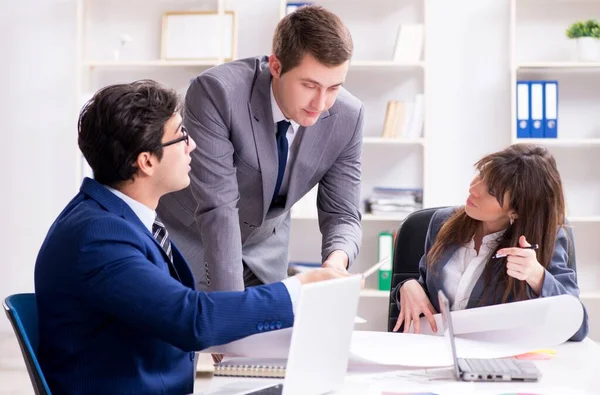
[(410, 246), (408, 250), (21, 310)]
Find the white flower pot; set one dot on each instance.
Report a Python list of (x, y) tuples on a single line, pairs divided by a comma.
[(587, 49)]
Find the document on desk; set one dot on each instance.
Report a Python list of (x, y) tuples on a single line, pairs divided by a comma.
[(485, 332)]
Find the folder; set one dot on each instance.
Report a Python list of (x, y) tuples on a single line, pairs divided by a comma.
[(523, 127), (385, 249), (550, 109), (536, 95)]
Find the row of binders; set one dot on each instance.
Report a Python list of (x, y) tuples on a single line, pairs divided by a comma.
[(537, 109)]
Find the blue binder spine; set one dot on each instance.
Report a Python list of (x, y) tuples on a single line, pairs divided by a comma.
[(536, 96), (523, 110), (551, 109)]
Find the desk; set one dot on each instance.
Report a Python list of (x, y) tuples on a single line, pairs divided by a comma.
[(574, 370)]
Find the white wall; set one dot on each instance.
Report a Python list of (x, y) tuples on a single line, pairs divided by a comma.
[(468, 104), (38, 131), (469, 91)]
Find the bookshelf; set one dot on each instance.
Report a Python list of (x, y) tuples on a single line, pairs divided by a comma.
[(386, 162), (539, 50)]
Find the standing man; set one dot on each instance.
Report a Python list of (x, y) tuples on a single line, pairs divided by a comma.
[(269, 129)]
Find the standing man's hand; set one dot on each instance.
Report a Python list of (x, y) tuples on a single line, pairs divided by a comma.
[(337, 260)]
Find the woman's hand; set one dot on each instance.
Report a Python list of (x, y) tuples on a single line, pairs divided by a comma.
[(522, 264), (413, 302)]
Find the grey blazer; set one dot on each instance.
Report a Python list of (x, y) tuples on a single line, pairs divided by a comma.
[(559, 278), (225, 217)]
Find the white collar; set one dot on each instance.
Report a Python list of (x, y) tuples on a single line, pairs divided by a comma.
[(143, 212)]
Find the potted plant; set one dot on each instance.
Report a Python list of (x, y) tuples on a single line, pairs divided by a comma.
[(586, 35)]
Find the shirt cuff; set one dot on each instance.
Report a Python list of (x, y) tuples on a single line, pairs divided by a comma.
[(293, 285)]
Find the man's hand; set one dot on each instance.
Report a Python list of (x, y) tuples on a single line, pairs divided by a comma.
[(337, 260)]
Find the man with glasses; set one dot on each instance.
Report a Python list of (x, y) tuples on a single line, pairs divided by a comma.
[(118, 312)]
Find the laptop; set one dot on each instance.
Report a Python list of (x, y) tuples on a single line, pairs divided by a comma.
[(484, 369), (321, 336)]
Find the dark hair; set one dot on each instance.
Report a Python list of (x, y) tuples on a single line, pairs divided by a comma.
[(120, 122), (314, 30), (529, 175)]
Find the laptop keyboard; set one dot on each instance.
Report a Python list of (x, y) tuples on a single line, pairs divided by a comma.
[(495, 366)]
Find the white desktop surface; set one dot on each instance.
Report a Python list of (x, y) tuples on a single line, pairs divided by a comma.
[(573, 370)]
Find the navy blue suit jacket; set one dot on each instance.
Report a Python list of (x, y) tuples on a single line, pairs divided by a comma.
[(559, 278), (114, 321)]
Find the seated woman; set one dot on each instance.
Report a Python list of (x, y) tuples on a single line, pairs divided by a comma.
[(515, 201)]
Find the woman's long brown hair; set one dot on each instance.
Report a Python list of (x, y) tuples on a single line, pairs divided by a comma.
[(528, 174)]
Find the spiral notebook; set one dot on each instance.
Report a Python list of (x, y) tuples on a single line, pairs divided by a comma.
[(251, 367)]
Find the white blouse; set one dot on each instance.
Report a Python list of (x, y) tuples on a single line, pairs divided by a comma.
[(464, 268)]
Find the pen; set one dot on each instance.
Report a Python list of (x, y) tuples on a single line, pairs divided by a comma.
[(375, 267), (531, 247)]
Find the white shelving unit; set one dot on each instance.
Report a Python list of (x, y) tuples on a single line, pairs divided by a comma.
[(540, 50), (386, 162)]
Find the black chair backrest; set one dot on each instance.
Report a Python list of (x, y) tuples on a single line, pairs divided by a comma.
[(408, 250)]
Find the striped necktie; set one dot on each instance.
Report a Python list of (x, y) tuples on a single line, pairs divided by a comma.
[(162, 236)]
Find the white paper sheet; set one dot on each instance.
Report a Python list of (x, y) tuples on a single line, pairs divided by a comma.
[(486, 332)]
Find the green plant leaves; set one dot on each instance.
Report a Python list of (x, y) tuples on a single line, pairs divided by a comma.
[(589, 28)]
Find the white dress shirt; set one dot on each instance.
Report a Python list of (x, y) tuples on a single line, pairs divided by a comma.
[(290, 135), (147, 216), (464, 268)]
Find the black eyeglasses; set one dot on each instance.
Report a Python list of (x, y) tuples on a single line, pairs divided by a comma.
[(185, 137)]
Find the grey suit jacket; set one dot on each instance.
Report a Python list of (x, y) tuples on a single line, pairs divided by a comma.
[(559, 278), (225, 217)]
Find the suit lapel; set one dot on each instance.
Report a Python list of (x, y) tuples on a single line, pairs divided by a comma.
[(314, 141), (263, 128), (115, 205)]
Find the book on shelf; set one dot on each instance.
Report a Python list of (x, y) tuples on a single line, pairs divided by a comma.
[(409, 43), (397, 202), (404, 119)]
